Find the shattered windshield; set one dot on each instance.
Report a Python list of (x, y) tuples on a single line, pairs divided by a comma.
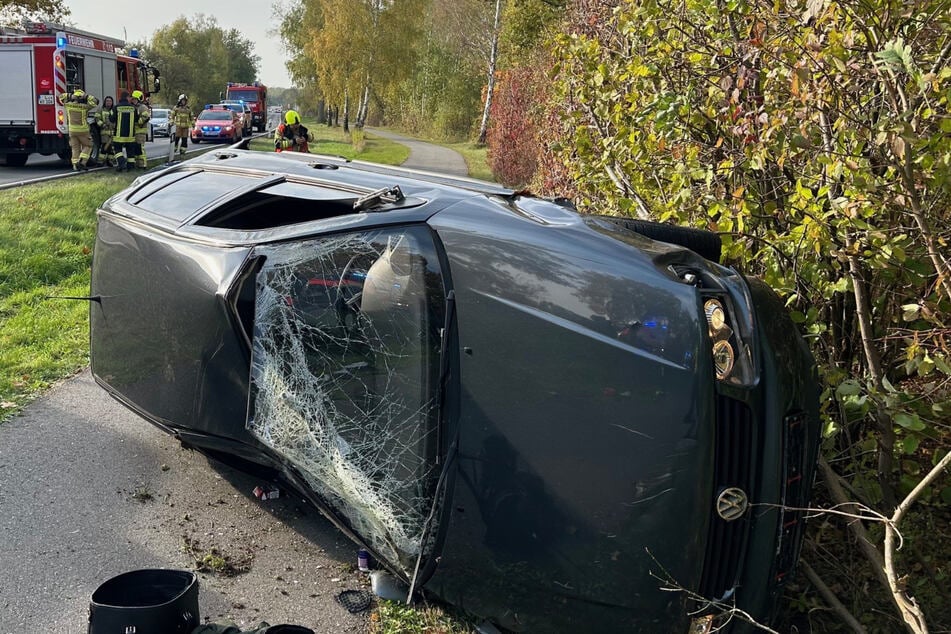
[(345, 374)]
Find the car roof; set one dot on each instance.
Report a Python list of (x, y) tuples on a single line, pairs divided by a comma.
[(235, 195)]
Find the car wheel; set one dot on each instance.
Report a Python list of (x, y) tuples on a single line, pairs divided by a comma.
[(705, 243), (196, 141)]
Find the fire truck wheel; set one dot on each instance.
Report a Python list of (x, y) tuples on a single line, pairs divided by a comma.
[(16, 160), (65, 155)]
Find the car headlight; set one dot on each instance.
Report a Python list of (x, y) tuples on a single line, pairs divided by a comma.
[(722, 338), (723, 359), (716, 319)]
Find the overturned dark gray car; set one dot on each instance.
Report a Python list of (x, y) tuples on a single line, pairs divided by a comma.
[(546, 418)]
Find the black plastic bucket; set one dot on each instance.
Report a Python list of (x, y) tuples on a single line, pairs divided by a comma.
[(146, 602)]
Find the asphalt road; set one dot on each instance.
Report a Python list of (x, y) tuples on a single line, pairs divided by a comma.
[(88, 490), (39, 166)]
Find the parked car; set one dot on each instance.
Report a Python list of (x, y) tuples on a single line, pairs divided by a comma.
[(244, 111), (216, 124), (546, 417), (160, 122)]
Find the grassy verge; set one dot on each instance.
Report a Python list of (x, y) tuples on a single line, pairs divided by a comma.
[(366, 147), (476, 157), (355, 145), (46, 238), (393, 617)]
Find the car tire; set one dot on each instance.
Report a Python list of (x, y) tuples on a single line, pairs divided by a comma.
[(706, 244)]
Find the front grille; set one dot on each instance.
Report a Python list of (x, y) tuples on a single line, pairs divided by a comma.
[(732, 464), (791, 517)]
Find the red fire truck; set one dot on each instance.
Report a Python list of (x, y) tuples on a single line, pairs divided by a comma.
[(255, 95), (43, 60)]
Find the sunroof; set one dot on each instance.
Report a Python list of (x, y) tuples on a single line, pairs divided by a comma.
[(284, 203), (178, 195)]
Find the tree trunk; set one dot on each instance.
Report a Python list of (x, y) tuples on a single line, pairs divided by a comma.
[(346, 112), (364, 105), (493, 58)]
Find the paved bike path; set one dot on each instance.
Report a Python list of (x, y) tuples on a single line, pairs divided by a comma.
[(427, 156)]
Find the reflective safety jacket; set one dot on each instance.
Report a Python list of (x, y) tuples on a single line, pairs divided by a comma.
[(142, 116), (182, 117), (285, 137), (77, 111), (107, 121), (125, 123)]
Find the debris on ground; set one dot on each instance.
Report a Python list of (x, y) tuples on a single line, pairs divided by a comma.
[(354, 600), (266, 492)]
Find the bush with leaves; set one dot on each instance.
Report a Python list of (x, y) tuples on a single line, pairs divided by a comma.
[(513, 131), (815, 136)]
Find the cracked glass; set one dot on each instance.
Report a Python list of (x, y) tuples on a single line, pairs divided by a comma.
[(345, 377)]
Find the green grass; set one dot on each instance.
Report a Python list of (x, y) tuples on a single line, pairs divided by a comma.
[(355, 145), (476, 159), (393, 617), (47, 233), (366, 147)]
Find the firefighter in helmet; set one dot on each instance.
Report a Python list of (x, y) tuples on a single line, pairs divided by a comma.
[(291, 135), (106, 119), (78, 104), (142, 116), (123, 140), (182, 120)]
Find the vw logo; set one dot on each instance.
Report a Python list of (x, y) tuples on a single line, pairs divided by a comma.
[(732, 504)]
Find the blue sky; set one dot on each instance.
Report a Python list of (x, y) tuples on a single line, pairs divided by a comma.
[(254, 19)]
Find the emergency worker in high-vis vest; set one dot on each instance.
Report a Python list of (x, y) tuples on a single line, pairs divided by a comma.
[(182, 120), (142, 116), (78, 104), (106, 118), (291, 135), (123, 141)]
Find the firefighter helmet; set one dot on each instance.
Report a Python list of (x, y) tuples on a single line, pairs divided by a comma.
[(78, 93), (137, 94), (182, 97), (291, 117)]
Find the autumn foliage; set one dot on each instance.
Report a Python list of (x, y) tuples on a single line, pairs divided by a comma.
[(814, 138), (513, 133)]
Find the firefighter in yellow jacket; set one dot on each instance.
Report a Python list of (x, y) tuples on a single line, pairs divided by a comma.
[(142, 116), (123, 140), (106, 118), (291, 136), (182, 119), (78, 104)]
